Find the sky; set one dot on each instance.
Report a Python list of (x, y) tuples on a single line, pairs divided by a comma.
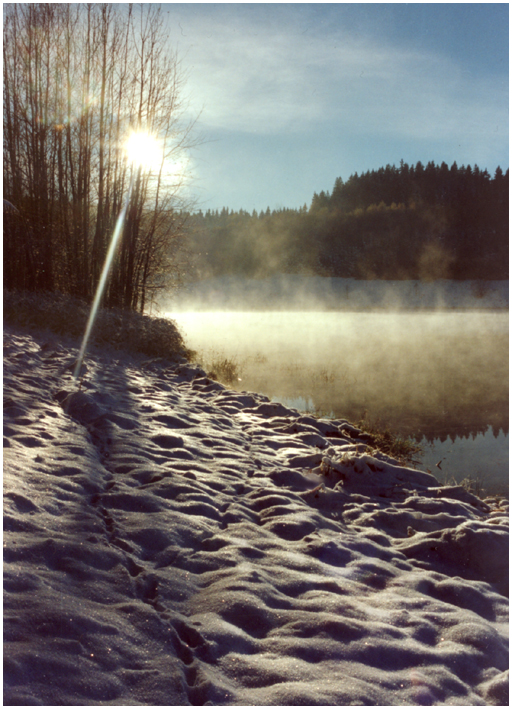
[(288, 97)]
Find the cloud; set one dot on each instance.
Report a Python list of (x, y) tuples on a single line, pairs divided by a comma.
[(264, 74)]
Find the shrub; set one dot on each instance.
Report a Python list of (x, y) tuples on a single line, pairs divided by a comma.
[(66, 315)]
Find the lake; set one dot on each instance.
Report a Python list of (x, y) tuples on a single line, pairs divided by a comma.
[(440, 378)]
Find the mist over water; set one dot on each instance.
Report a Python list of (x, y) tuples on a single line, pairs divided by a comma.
[(440, 377), (292, 292)]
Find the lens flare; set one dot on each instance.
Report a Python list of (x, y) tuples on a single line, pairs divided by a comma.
[(103, 279), (143, 150)]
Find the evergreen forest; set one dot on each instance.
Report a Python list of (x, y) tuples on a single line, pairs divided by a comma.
[(407, 222)]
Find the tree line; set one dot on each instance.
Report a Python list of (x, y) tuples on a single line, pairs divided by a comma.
[(406, 222), (78, 78)]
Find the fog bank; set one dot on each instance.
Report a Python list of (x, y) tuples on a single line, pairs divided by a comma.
[(419, 372), (292, 292)]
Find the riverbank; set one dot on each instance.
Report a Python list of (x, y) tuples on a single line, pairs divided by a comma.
[(169, 541), (425, 376)]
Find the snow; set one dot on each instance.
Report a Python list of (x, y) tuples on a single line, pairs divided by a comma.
[(171, 542)]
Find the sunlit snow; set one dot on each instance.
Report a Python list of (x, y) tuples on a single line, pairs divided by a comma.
[(171, 542)]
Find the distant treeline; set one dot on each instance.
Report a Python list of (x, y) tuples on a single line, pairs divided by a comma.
[(406, 222)]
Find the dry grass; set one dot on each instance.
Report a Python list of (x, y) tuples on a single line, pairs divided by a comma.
[(383, 439), (218, 366), (123, 330), (478, 486)]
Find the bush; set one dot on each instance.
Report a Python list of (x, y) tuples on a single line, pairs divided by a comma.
[(66, 315)]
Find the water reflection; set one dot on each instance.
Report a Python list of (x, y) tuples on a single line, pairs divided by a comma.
[(482, 457), (440, 378)]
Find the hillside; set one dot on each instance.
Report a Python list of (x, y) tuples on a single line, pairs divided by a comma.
[(400, 223)]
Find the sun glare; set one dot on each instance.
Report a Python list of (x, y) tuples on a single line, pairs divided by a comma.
[(144, 150)]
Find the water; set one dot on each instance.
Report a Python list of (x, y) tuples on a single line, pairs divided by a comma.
[(438, 377)]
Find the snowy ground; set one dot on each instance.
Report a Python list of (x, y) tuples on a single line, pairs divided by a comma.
[(171, 542)]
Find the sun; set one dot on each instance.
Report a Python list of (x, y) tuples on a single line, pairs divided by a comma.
[(144, 150)]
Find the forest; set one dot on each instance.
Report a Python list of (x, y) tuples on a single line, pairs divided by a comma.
[(407, 222), (68, 110)]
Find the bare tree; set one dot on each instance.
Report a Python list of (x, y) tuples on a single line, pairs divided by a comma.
[(77, 79)]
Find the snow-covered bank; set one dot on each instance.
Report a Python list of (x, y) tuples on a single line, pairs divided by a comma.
[(171, 542), (290, 292)]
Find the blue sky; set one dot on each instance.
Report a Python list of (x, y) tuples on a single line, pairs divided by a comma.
[(292, 96)]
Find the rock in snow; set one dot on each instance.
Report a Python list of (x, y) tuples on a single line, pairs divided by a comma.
[(171, 542)]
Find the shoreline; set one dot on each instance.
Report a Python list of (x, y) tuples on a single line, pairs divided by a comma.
[(177, 542), (379, 311)]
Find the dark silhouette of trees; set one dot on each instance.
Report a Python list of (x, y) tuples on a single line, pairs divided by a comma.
[(407, 222), (77, 79)]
